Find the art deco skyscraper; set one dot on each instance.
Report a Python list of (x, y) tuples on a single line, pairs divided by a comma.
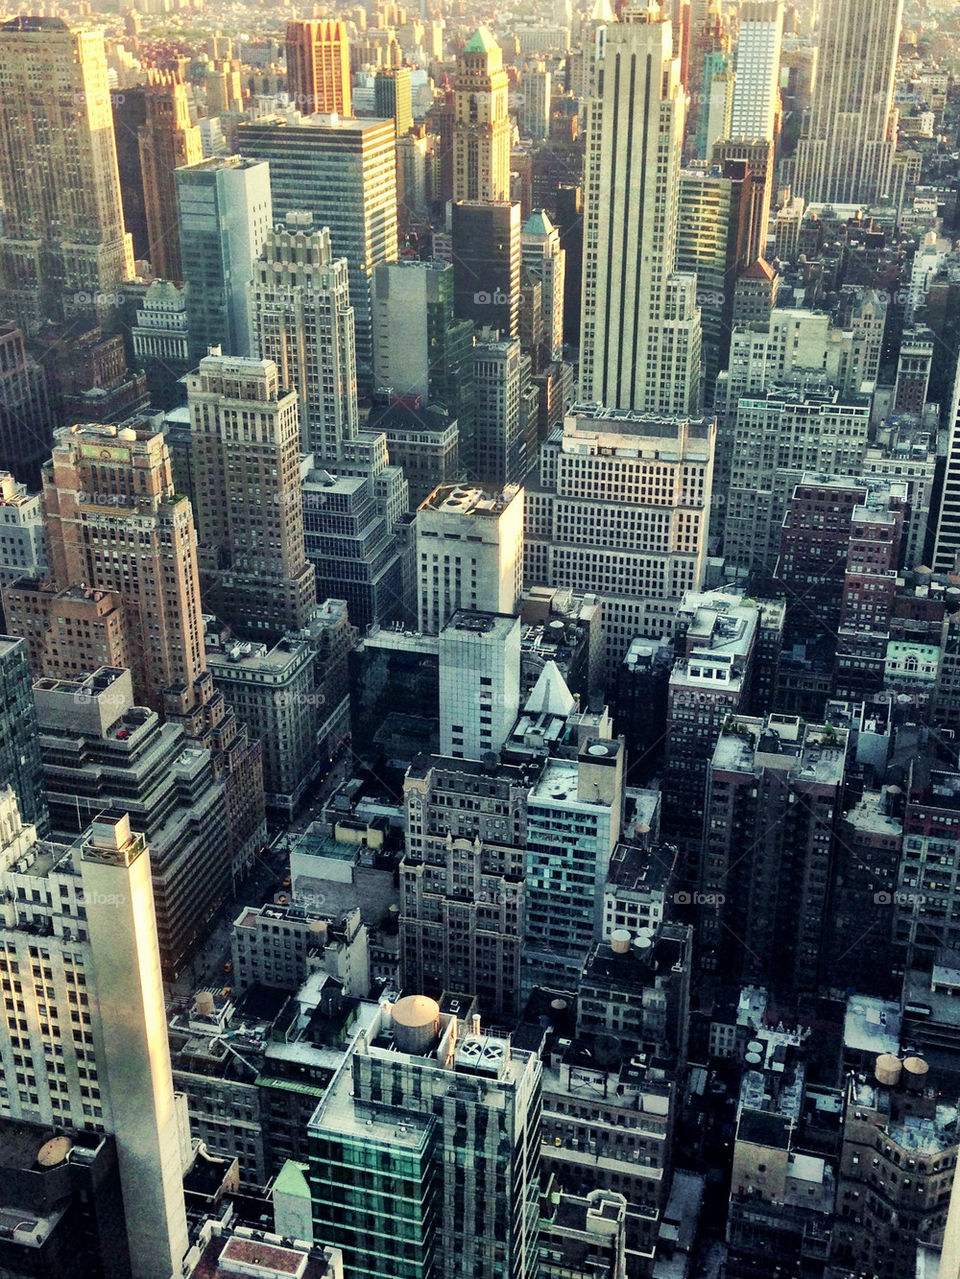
[(302, 320), (846, 150), (167, 141), (249, 512), (640, 326), (318, 67), (64, 251), (481, 132)]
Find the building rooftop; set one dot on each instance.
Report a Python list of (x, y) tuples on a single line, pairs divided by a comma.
[(871, 1026), (641, 870), (455, 499)]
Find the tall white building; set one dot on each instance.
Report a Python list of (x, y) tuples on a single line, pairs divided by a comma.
[(302, 319), (501, 374), (542, 258), (479, 683), (83, 1040), (469, 553), (535, 113), (946, 551), (22, 552), (845, 153), (640, 325), (622, 509), (756, 91)]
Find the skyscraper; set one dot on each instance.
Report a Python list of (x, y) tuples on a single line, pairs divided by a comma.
[(167, 141), (26, 417), (486, 264), (391, 97), (501, 374), (64, 251), (20, 765), (114, 522), (318, 67), (640, 326), (535, 115), (344, 172), (249, 513), (302, 319), (225, 212), (845, 153), (756, 91), (542, 258), (94, 1031), (481, 132)]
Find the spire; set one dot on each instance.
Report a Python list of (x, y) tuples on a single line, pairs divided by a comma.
[(550, 694)]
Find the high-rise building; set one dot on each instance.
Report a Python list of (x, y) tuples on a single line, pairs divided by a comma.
[(913, 371), (845, 152), (479, 672), (767, 895), (103, 754), (542, 258), (129, 117), (622, 509), (535, 114), (167, 141), (20, 764), (26, 416), (758, 154), (420, 348), (392, 99), (225, 212), (344, 172), (482, 128), (501, 375), (88, 1046), (64, 252), (161, 342), (22, 552), (640, 326), (486, 265), (756, 92), (946, 551), (713, 120), (428, 1111), (249, 513), (469, 554), (318, 66), (302, 320), (115, 524)]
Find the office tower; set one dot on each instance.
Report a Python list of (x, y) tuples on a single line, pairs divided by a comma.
[(716, 642), (486, 265), (344, 172), (129, 116), (845, 152), (543, 259), (535, 114), (88, 1047), (318, 67), (349, 544), (302, 320), (640, 326), (447, 1112), (420, 349), (391, 98), (756, 93), (273, 691), (249, 515), (501, 375), (779, 435), (469, 554), (102, 753), (479, 683), (713, 120), (913, 371), (758, 154), (622, 509), (946, 550), (784, 779), (224, 210), (472, 938), (423, 442), (26, 416), (167, 141), (755, 296), (161, 342), (482, 128), (20, 765), (22, 551), (115, 524), (713, 244), (64, 252)]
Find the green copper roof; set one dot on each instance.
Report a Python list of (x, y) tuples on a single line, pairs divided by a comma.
[(291, 1181), (481, 41), (538, 223)]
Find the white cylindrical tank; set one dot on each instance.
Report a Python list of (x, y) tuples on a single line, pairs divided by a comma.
[(620, 942), (887, 1070), (915, 1071), (416, 1024), (203, 1003)]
